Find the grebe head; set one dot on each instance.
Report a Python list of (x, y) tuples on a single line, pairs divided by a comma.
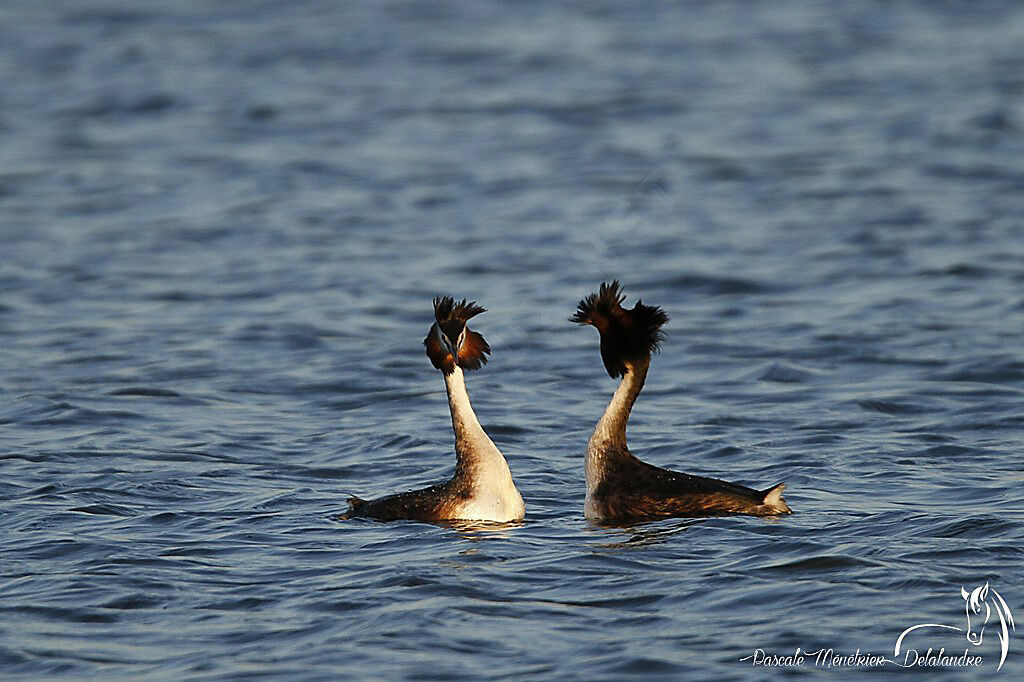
[(626, 335), (450, 341)]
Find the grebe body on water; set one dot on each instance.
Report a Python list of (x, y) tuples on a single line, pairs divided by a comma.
[(620, 487), (482, 488)]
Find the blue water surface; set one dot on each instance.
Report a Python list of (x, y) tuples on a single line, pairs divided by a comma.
[(221, 226)]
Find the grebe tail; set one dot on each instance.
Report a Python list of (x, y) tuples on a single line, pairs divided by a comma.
[(482, 488), (773, 499), (621, 487)]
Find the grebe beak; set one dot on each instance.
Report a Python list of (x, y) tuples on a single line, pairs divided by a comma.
[(452, 350)]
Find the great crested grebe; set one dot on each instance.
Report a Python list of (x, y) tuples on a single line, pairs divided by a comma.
[(619, 486), (482, 487)]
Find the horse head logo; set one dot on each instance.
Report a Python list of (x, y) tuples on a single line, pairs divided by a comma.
[(980, 604), (975, 601)]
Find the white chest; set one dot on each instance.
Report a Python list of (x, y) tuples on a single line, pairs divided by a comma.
[(493, 505)]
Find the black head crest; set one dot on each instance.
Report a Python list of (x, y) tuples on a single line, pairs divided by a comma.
[(626, 334), (597, 308), (446, 309), (449, 334)]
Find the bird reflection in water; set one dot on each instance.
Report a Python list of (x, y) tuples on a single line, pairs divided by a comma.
[(642, 534)]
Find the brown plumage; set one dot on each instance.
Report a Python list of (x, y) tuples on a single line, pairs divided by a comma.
[(438, 502), (620, 487), (448, 329), (626, 335), (633, 490)]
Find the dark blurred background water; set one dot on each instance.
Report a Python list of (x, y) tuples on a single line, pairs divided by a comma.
[(222, 225)]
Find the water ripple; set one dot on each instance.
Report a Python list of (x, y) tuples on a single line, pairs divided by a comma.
[(223, 224)]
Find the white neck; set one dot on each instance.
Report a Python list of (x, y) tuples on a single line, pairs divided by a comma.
[(471, 442), (477, 458), (609, 435)]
